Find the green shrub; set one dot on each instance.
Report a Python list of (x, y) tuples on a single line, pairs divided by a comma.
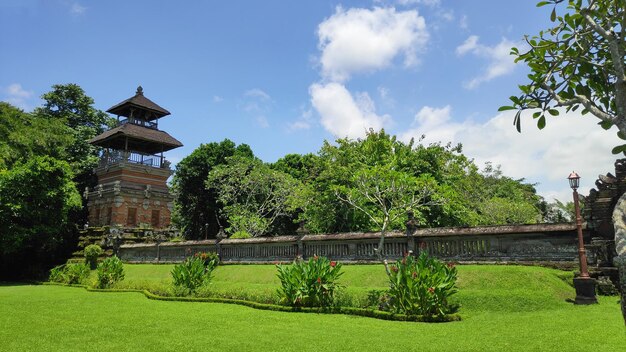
[(265, 296), (210, 259), (422, 286), (110, 271), (92, 252), (77, 273), (57, 274), (378, 299), (71, 274), (241, 235), (193, 273), (311, 283)]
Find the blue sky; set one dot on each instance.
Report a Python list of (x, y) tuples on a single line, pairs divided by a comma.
[(283, 76)]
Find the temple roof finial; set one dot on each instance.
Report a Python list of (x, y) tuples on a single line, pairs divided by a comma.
[(151, 110)]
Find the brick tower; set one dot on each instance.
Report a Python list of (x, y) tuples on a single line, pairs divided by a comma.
[(132, 173)]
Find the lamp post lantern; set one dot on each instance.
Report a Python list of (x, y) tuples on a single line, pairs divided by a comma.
[(584, 284)]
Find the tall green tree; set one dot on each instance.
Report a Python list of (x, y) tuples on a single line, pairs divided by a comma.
[(69, 104), (559, 212), (196, 210), (24, 135), (37, 200), (338, 163), (39, 212), (385, 196), (254, 197), (501, 200), (305, 168)]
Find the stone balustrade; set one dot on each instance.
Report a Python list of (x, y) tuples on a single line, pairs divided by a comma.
[(520, 243)]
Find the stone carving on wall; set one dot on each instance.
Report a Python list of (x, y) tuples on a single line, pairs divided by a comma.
[(117, 187), (619, 220), (601, 201)]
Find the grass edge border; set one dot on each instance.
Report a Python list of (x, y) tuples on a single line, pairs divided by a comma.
[(362, 312)]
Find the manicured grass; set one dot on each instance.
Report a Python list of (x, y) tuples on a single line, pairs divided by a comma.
[(54, 318), (481, 287)]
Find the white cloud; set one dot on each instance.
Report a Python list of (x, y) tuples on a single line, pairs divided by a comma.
[(77, 9), (447, 15), (463, 22), (431, 117), (257, 93), (298, 125), (434, 124), (431, 3), (257, 104), (256, 101), (500, 62), (385, 96), (217, 99), (471, 43), (568, 142), (343, 115), (364, 40), (262, 121), (15, 90), (18, 96), (383, 92), (304, 122)]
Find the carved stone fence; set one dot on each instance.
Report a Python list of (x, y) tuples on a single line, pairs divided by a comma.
[(522, 243)]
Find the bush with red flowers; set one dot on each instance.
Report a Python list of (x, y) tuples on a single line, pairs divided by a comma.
[(311, 283), (422, 286)]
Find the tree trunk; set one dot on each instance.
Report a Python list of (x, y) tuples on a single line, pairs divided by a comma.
[(381, 245), (619, 222)]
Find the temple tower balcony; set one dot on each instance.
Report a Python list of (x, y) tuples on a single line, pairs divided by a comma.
[(132, 171)]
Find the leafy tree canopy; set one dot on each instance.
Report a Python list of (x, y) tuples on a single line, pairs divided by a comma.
[(44, 155), (24, 135), (577, 63), (458, 194), (196, 210), (254, 196), (69, 104), (38, 198)]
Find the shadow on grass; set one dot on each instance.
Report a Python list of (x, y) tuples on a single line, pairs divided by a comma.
[(19, 283)]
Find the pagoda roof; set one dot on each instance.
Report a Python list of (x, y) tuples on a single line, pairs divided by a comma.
[(139, 102), (142, 139)]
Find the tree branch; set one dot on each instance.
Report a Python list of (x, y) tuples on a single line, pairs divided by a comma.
[(580, 99), (617, 58)]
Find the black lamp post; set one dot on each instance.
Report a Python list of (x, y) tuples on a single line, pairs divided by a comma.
[(584, 284)]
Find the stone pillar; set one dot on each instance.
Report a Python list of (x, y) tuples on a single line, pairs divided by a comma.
[(619, 222), (411, 227), (221, 234), (300, 252)]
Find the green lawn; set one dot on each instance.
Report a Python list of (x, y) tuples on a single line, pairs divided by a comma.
[(481, 287), (504, 308)]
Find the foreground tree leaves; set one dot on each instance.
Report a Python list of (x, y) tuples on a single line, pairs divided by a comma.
[(578, 63), (37, 199)]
